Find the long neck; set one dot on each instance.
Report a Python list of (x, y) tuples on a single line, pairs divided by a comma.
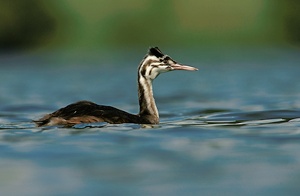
[(148, 109)]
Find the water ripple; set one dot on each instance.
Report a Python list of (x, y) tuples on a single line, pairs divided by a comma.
[(250, 118)]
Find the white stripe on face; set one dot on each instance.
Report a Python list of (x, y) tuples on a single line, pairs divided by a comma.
[(151, 67)]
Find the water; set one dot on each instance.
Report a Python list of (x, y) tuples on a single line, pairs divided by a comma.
[(232, 128)]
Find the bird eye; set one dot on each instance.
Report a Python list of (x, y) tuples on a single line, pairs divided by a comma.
[(169, 67)]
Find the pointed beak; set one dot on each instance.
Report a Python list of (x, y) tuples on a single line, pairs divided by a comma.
[(177, 66)]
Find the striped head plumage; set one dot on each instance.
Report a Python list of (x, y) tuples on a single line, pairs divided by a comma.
[(155, 63)]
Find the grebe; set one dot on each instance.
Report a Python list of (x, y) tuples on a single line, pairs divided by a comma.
[(154, 63)]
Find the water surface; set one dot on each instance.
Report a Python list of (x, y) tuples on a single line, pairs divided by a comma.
[(232, 128)]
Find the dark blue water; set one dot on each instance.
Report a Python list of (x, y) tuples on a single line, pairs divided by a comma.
[(232, 128)]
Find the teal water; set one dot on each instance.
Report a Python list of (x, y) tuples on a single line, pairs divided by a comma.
[(232, 128)]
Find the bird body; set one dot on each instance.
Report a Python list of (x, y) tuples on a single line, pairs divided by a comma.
[(154, 63)]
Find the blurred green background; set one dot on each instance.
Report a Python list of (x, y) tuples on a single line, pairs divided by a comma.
[(98, 24)]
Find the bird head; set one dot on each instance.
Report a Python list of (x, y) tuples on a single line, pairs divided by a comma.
[(155, 63)]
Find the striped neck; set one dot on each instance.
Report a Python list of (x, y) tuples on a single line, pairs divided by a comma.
[(153, 64), (148, 110)]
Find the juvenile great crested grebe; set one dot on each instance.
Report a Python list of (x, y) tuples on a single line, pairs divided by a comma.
[(154, 63)]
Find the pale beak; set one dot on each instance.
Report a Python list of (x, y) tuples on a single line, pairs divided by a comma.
[(177, 66)]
